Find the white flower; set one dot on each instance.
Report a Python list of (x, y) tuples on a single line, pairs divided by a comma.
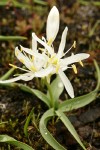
[(33, 61), (56, 61), (48, 62)]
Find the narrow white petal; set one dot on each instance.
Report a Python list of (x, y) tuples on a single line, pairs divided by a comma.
[(67, 83), (24, 77), (62, 43), (27, 50), (44, 72), (23, 59), (34, 45), (52, 24), (27, 77), (50, 49), (10, 80), (73, 59), (40, 56)]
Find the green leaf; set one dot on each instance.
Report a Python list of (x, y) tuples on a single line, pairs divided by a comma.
[(6, 75), (27, 122), (77, 102), (4, 2), (45, 133), (85, 2), (43, 97), (38, 93), (9, 38), (40, 2), (10, 140), (56, 88), (69, 126), (98, 75), (15, 4), (81, 101)]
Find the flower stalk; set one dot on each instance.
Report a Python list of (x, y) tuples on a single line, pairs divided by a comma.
[(51, 95)]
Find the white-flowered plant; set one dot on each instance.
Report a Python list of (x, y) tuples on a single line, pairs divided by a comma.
[(44, 62), (47, 62), (57, 62)]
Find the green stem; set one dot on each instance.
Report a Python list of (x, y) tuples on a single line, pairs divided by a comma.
[(50, 93)]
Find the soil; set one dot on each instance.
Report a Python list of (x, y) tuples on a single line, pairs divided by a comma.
[(83, 21)]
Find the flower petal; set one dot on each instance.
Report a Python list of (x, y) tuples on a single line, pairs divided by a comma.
[(24, 59), (40, 62), (27, 50), (73, 59), (24, 77), (44, 72), (52, 24), (62, 43), (67, 83), (50, 49), (34, 45)]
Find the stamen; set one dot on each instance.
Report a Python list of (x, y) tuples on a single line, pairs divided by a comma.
[(50, 41), (18, 68), (81, 63), (41, 49), (74, 44), (74, 69), (13, 66), (32, 58)]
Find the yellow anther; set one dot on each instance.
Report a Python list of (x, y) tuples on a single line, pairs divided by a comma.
[(74, 69), (41, 49), (13, 66), (32, 58), (21, 60), (32, 68), (74, 44), (50, 41), (81, 63)]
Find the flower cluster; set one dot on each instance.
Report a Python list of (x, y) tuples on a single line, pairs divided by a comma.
[(43, 62)]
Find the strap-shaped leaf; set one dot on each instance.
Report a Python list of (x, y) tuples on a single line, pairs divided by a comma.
[(43, 97), (69, 126), (38, 93), (6, 75), (27, 122), (10, 140), (77, 102), (45, 133), (98, 75), (81, 101), (12, 38)]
